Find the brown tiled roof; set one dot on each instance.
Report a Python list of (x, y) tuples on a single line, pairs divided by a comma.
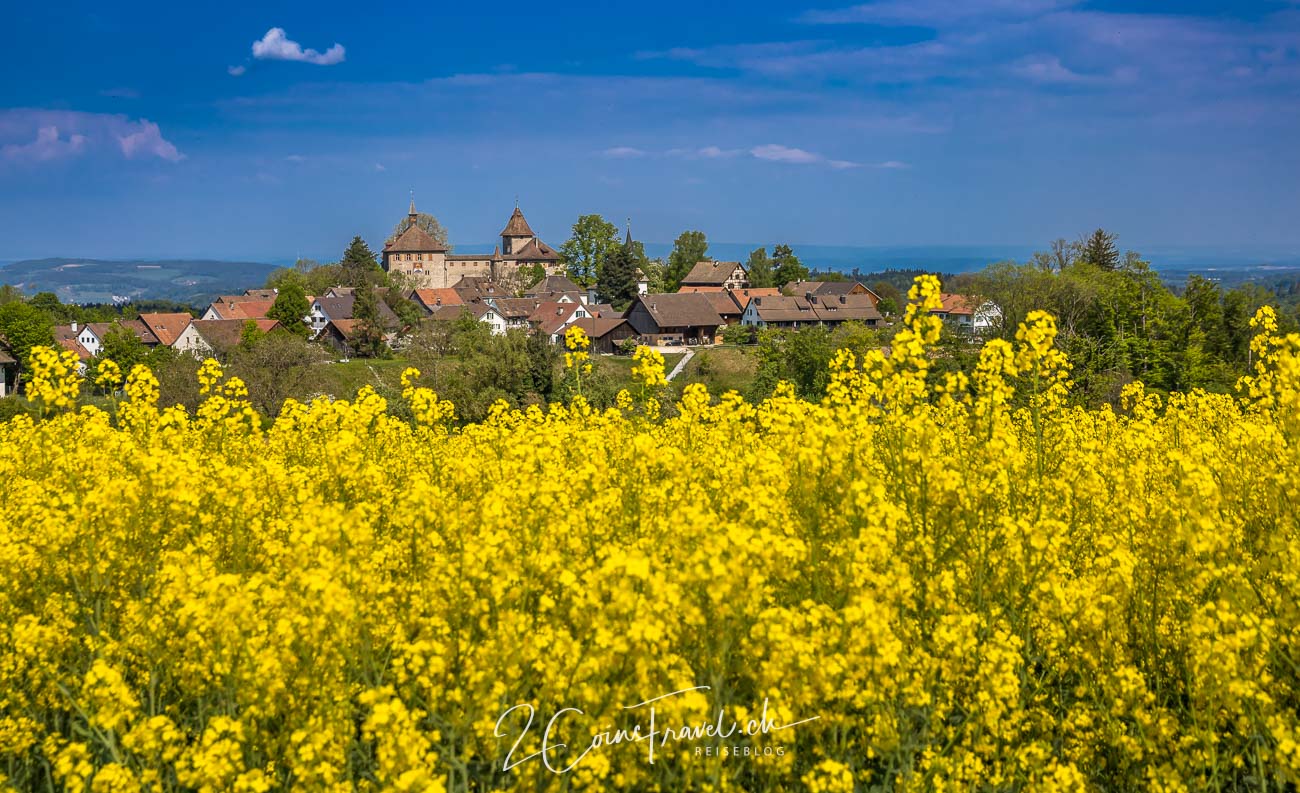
[(224, 334), (242, 308), (553, 283), (599, 326), (415, 240), (956, 304), (681, 310), (516, 307), (547, 310), (260, 294), (536, 251), (603, 310), (846, 308), (6, 353), (710, 273), (842, 308), (437, 297), (67, 339), (743, 296), (719, 297), (137, 327), (167, 327), (517, 226)]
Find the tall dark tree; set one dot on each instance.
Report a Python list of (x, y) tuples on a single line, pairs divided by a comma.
[(592, 239), (291, 309), (1099, 250), (759, 268), (617, 283), (369, 339), (690, 248), (788, 266), (359, 265)]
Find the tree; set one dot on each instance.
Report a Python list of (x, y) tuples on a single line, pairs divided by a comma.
[(121, 346), (1099, 250), (10, 294), (359, 265), (290, 309), (425, 221), (759, 268), (369, 339), (689, 249), (788, 266), (591, 240), (25, 326), (617, 282), (275, 367)]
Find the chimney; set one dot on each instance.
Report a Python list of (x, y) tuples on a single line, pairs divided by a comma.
[(809, 297), (74, 328), (842, 300)]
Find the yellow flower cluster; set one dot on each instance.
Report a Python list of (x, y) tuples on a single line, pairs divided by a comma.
[(943, 586), (649, 367)]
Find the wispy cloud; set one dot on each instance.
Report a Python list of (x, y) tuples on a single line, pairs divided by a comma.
[(277, 46), (623, 153), (236, 71), (35, 136), (296, 158), (120, 92), (932, 12), (379, 166), (775, 152)]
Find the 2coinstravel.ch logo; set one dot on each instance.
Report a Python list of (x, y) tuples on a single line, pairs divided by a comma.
[(726, 735)]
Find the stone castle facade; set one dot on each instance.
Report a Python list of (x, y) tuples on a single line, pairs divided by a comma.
[(427, 261)]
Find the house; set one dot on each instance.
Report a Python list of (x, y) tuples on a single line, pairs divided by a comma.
[(485, 313), (90, 337), (217, 337), (674, 318), (238, 307), (68, 337), (341, 334), (431, 299), (551, 319), (8, 370), (730, 275), (475, 287), (722, 299), (167, 327), (826, 289), (968, 313), (605, 333), (430, 264), (324, 309), (642, 282), (743, 296), (554, 285), (792, 313)]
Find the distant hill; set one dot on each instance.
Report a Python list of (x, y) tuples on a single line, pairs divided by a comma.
[(193, 281)]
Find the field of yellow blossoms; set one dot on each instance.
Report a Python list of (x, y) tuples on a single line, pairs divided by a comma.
[(942, 583)]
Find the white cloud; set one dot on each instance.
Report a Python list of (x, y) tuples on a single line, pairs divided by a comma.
[(49, 145), (379, 166), (235, 71), (777, 153), (276, 46), (32, 135), (296, 158), (705, 152), (148, 140), (623, 153), (892, 165)]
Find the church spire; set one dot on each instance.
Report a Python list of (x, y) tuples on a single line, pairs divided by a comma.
[(412, 213), (628, 240)]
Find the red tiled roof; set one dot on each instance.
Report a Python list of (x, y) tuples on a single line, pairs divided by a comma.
[(167, 327)]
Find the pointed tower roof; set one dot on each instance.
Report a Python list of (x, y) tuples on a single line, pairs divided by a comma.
[(517, 226), (628, 241), (415, 239)]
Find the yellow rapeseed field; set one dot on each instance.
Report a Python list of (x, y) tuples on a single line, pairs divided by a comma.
[(942, 584)]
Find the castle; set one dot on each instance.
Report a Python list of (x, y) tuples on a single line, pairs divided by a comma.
[(418, 254)]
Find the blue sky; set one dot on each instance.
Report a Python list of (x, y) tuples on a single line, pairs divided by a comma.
[(268, 131)]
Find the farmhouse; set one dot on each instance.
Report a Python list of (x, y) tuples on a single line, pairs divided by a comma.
[(730, 275), (217, 337), (674, 318), (792, 313), (8, 370)]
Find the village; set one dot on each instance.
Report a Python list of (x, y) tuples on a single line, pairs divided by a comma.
[(712, 297)]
